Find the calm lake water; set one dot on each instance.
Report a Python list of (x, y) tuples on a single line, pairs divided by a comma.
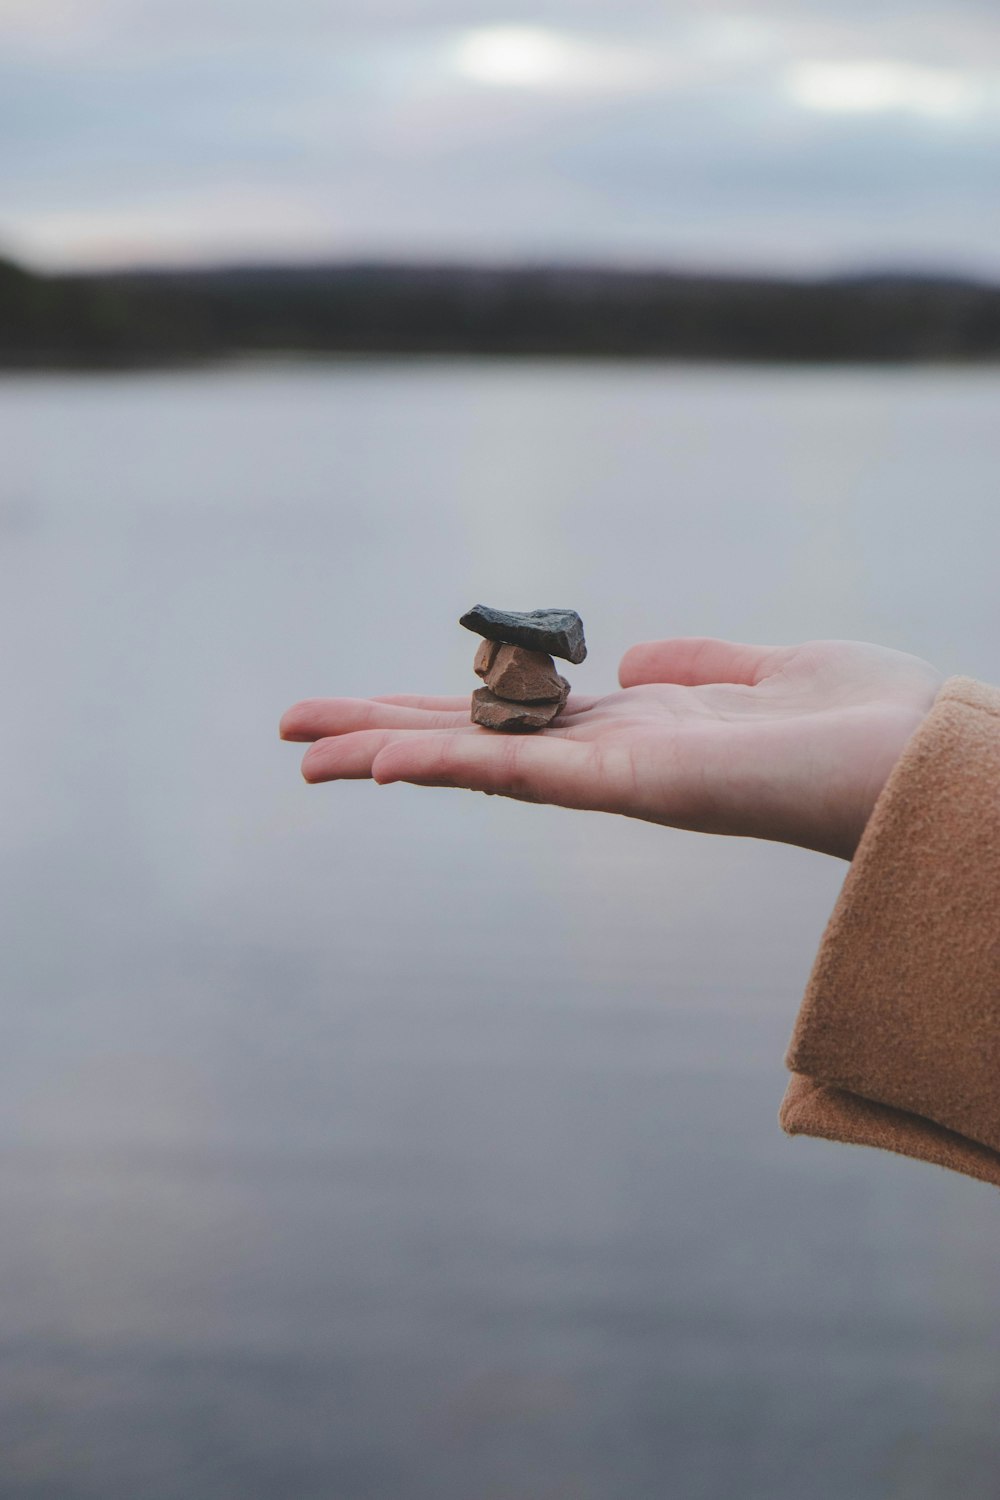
[(367, 1143)]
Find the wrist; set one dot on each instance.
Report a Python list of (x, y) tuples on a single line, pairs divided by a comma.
[(894, 727)]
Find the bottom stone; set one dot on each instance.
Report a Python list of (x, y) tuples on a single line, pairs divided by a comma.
[(515, 718)]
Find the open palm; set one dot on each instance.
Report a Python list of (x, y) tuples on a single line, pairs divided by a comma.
[(791, 743)]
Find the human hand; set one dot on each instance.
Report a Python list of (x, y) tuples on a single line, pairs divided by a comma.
[(792, 743)]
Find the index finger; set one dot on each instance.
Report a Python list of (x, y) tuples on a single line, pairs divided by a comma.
[(426, 700), (317, 718)]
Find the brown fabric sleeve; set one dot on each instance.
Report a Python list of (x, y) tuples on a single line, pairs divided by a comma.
[(897, 1041)]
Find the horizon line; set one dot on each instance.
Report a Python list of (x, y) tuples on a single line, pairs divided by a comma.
[(376, 260)]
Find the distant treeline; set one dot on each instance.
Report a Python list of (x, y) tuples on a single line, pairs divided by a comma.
[(143, 317)]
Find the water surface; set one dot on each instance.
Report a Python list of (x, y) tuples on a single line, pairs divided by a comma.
[(369, 1143)]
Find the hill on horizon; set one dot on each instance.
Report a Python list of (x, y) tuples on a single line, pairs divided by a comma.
[(151, 316)]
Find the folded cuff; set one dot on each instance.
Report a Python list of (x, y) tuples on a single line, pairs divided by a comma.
[(897, 1041), (832, 1114)]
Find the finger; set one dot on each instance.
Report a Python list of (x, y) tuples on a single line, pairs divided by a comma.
[(693, 661), (542, 768), (348, 757), (316, 718), (425, 700), (577, 702)]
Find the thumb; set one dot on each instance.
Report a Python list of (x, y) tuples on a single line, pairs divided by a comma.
[(693, 661)]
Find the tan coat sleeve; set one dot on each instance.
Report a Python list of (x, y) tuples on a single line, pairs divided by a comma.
[(897, 1042)]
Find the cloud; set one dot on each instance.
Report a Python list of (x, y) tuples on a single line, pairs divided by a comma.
[(876, 86), (533, 57)]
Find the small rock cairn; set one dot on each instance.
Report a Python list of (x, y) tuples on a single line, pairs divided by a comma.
[(523, 691)]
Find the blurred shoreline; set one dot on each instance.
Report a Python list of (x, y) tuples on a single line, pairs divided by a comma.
[(141, 318)]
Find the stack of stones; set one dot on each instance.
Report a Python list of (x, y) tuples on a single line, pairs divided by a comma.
[(523, 691)]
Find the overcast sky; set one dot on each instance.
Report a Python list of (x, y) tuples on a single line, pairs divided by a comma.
[(802, 136)]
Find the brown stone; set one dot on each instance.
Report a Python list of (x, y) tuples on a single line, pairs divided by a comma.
[(524, 676), (514, 718), (485, 657)]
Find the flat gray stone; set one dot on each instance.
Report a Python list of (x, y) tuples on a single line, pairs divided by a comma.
[(558, 632)]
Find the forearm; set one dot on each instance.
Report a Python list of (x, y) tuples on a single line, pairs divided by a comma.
[(897, 1042)]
